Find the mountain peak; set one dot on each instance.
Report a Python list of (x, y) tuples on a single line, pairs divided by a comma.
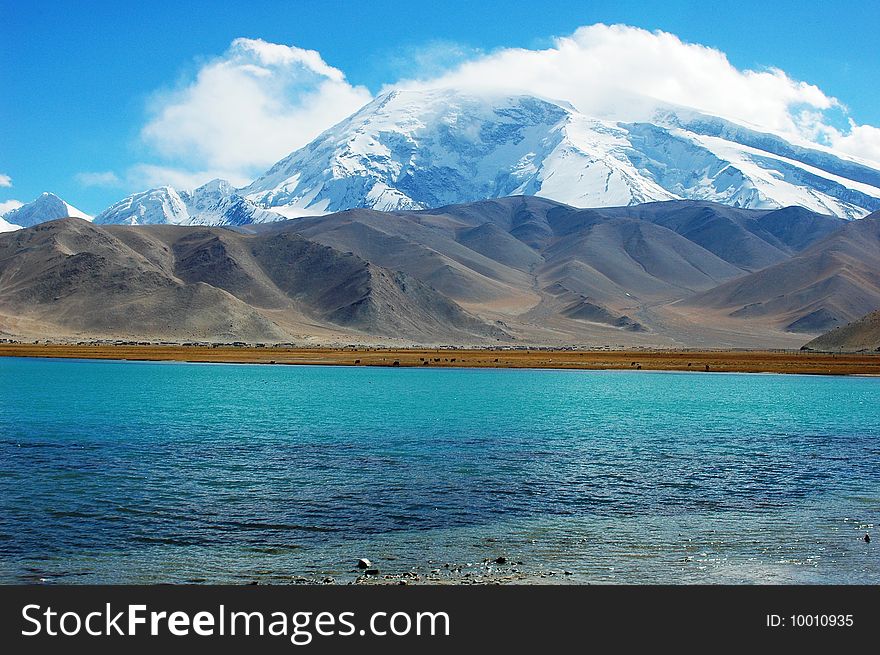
[(217, 185), (46, 207), (416, 149)]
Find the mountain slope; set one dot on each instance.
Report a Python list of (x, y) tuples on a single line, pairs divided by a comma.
[(47, 207), (624, 257), (467, 251), (750, 239), (421, 149), (860, 335), (834, 281), (398, 242), (74, 278)]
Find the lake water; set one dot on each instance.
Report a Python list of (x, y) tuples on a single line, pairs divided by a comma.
[(130, 472)]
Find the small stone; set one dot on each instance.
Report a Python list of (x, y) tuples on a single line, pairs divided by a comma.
[(867, 538), (372, 572), (364, 563), (501, 560)]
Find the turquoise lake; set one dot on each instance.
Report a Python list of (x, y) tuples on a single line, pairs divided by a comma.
[(136, 472)]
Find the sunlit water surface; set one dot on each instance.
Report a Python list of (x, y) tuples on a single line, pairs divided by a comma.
[(134, 472)]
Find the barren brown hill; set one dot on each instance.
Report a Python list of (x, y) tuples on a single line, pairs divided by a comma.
[(834, 281), (70, 277), (520, 270), (859, 336), (555, 271), (751, 239)]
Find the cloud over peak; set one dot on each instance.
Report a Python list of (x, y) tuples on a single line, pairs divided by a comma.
[(250, 107), (614, 71)]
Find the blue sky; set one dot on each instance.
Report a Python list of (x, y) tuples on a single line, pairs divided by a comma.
[(81, 80)]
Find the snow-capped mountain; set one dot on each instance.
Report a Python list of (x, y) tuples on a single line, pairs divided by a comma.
[(47, 207), (215, 203), (424, 149), (420, 149)]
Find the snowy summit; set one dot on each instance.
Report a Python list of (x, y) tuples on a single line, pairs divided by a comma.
[(47, 207), (419, 149)]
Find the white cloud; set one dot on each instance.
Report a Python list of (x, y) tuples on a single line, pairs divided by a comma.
[(619, 72), (249, 108), (98, 179), (862, 141), (9, 205)]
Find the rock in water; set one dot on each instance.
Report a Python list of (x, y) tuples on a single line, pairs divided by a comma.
[(364, 563)]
